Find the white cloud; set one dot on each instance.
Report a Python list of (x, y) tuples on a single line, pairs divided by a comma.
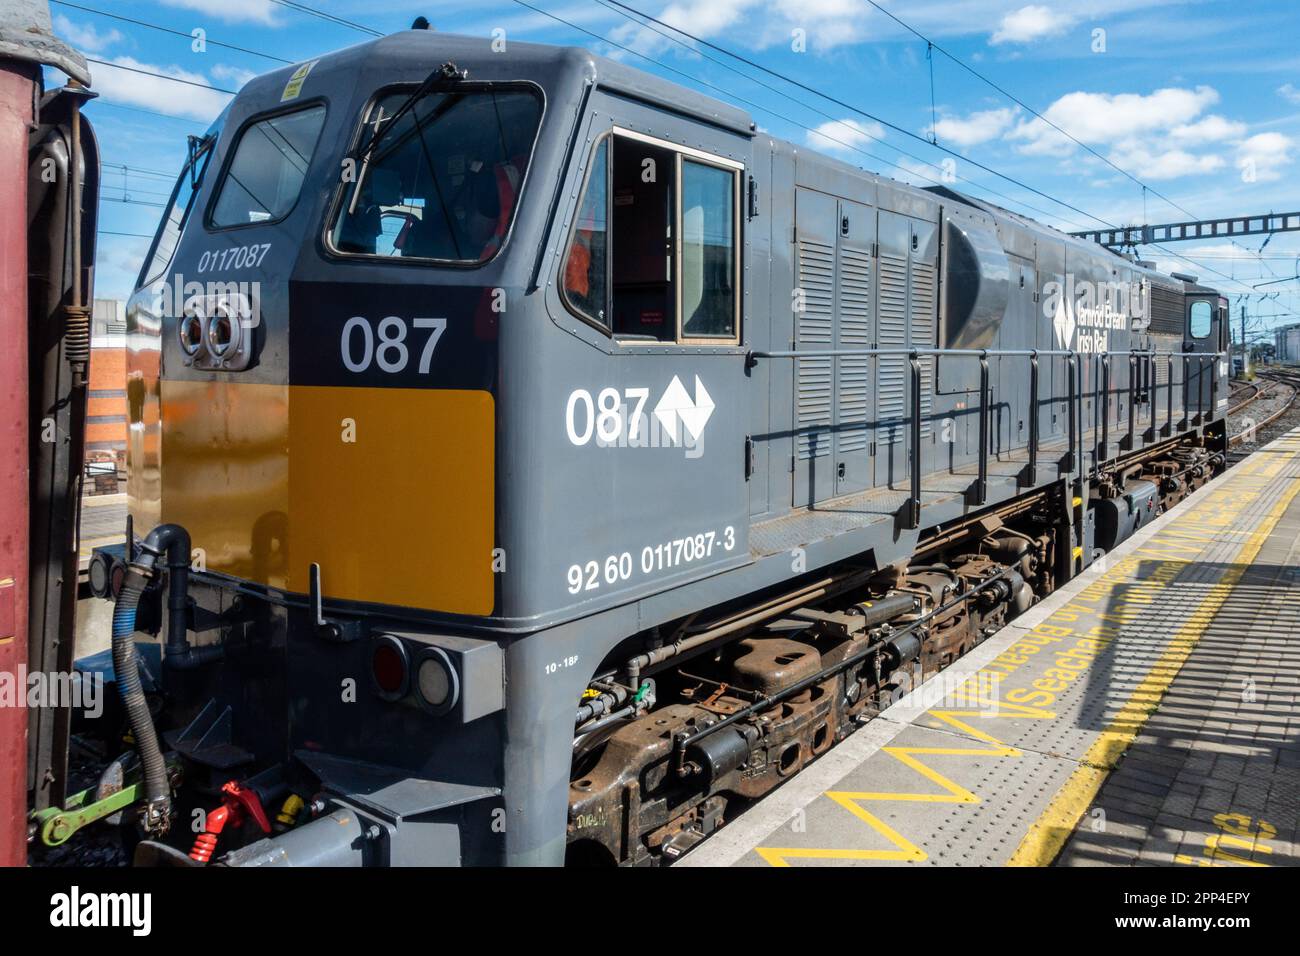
[(1210, 129), (83, 36), (1030, 23), (916, 173), (232, 74), (1288, 92), (1111, 118), (829, 23), (844, 136), (1264, 154), (752, 23), (703, 18), (232, 11), (1167, 164), (978, 127), (150, 92)]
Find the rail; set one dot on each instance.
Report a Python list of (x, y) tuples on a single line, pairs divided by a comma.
[(1141, 369)]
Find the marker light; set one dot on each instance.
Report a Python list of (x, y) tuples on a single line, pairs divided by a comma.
[(437, 681), (98, 574), (388, 667)]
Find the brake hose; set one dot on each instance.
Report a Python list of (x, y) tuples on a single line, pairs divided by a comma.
[(174, 541)]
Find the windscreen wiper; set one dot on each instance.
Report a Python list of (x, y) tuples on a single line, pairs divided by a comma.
[(447, 73), (195, 147)]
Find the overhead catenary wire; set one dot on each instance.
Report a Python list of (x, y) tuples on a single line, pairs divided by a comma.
[(804, 105), (1025, 106), (626, 10), (909, 133), (126, 200), (101, 103), (160, 76), (327, 17), (163, 29), (854, 109), (931, 45), (141, 171)]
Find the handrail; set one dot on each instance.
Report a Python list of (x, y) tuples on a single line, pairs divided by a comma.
[(1074, 459), (754, 355)]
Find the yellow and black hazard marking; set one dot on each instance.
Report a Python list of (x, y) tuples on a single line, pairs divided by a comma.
[(1073, 691), (911, 757)]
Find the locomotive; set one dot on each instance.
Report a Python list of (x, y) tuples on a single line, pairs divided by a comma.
[(532, 462)]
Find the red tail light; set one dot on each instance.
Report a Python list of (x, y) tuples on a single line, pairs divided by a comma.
[(389, 667)]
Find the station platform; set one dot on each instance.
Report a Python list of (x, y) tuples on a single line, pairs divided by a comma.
[(103, 522), (1147, 713)]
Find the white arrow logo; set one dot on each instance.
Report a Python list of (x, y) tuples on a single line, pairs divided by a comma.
[(676, 404), (1063, 322)]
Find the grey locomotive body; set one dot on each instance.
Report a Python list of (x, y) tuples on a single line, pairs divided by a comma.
[(589, 461)]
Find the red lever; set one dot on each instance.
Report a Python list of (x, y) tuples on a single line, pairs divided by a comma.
[(249, 801), (235, 802)]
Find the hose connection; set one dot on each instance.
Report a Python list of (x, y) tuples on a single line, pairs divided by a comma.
[(173, 542)]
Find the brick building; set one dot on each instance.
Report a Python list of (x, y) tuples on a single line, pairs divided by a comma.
[(106, 408)]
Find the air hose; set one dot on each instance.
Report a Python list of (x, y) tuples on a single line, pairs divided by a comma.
[(174, 541)]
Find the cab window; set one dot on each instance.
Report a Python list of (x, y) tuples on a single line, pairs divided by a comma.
[(178, 210), (264, 177), (585, 268), (443, 180), (654, 252), (708, 251), (1199, 321)]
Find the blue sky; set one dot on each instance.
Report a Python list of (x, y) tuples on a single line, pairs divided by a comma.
[(1197, 99)]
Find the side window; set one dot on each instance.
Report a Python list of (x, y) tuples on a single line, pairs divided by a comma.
[(178, 211), (262, 182), (708, 251), (585, 277), (654, 252), (1199, 324)]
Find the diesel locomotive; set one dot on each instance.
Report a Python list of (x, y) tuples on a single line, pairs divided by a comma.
[(533, 462)]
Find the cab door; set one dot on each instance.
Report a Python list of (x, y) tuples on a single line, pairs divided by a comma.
[(1206, 326)]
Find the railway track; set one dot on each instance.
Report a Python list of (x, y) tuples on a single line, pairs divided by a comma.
[(1254, 390), (1273, 398)]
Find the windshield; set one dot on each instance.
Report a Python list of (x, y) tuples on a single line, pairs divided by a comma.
[(443, 181)]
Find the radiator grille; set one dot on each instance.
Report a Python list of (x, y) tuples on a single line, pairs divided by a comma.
[(815, 331)]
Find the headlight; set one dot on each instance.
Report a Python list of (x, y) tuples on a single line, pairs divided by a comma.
[(223, 333), (190, 330)]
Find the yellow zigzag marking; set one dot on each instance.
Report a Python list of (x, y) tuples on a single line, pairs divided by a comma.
[(904, 849)]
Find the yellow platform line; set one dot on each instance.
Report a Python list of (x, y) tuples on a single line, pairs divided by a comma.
[(1096, 763), (1047, 835), (902, 848)]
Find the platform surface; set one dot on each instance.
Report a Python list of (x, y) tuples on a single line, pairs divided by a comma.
[(1146, 713), (103, 522)]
